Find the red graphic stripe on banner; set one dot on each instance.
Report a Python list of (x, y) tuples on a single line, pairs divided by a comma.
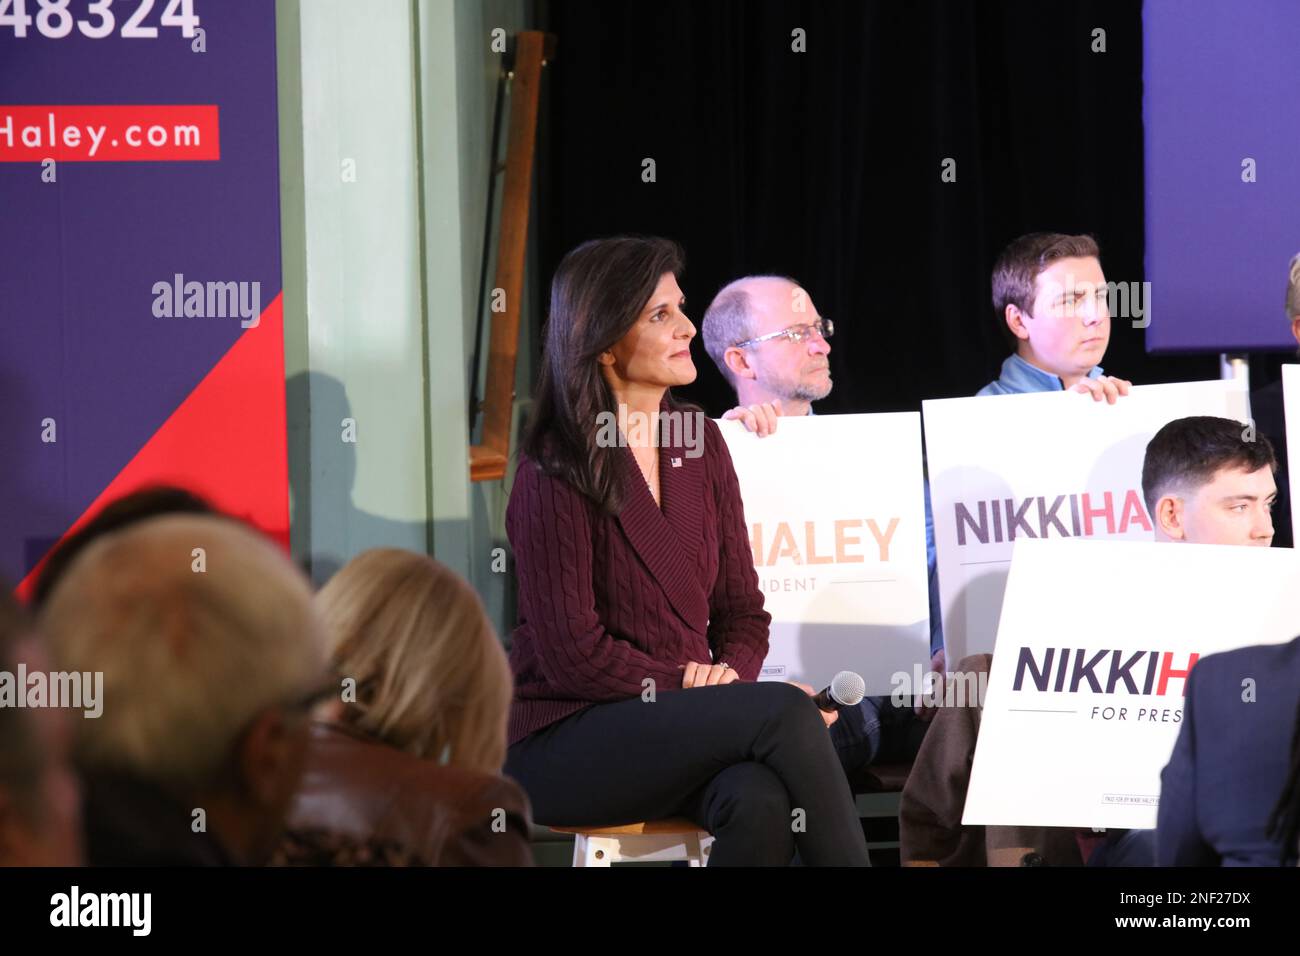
[(225, 441), (81, 134)]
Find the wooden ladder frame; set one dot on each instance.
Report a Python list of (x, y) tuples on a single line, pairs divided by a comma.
[(488, 460)]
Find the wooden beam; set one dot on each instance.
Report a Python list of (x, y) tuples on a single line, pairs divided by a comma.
[(487, 461), (486, 464)]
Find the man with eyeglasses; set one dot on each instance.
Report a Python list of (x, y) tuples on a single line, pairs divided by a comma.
[(766, 337)]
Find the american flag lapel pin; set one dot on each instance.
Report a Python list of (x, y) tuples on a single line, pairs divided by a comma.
[(675, 462)]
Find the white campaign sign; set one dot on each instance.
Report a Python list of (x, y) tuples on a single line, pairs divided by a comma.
[(1010, 468), (836, 515), (1085, 695), (1291, 412)]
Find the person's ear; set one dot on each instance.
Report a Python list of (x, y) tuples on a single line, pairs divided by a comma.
[(1016, 322), (270, 753), (1169, 517), (1295, 328), (738, 364), (605, 358)]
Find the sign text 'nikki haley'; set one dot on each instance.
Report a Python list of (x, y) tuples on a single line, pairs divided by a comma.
[(1070, 516), (1099, 644), (782, 547), (1107, 671), (1007, 469), (835, 510)]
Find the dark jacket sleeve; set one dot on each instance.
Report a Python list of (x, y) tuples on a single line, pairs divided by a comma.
[(1179, 841), (738, 625), (549, 525)]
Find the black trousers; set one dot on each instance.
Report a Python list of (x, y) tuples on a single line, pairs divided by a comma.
[(751, 763)]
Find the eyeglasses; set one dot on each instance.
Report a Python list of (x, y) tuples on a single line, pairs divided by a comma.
[(795, 333)]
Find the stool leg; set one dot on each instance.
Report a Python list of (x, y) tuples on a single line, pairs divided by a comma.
[(601, 851), (694, 852)]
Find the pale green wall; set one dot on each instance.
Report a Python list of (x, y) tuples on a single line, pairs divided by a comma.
[(476, 77), (381, 275)]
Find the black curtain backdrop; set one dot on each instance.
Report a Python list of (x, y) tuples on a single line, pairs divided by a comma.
[(825, 165)]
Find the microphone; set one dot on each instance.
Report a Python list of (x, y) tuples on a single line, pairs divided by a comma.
[(846, 690)]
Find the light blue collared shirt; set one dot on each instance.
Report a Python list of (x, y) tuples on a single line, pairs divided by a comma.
[(1019, 377)]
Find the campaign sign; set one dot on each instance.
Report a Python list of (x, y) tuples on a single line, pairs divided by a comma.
[(1011, 468), (1085, 695), (836, 515), (141, 332)]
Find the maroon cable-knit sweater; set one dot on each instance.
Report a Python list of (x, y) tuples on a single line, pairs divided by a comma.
[(608, 601)]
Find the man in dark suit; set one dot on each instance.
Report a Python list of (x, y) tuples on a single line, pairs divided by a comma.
[(1266, 408), (1232, 758)]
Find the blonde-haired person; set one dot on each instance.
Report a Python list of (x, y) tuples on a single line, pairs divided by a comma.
[(206, 655), (1267, 412), (405, 767)]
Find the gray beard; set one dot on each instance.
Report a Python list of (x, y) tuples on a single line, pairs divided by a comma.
[(805, 393)]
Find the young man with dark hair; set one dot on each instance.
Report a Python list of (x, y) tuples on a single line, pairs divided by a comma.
[(1204, 481), (1233, 757), (1204, 484), (1049, 291)]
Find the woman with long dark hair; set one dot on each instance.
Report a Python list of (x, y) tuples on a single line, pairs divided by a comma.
[(641, 626)]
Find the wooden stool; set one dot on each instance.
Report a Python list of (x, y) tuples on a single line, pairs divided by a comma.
[(648, 842)]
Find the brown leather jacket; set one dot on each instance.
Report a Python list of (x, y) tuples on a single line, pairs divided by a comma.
[(930, 811), (364, 802)]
